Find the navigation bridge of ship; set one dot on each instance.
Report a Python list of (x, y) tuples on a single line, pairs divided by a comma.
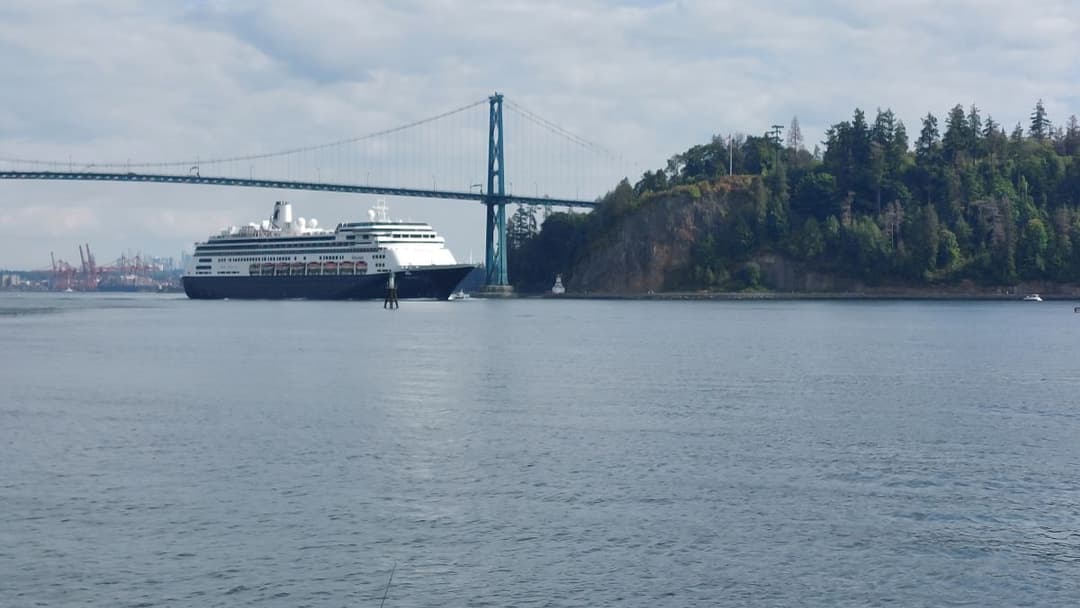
[(528, 160)]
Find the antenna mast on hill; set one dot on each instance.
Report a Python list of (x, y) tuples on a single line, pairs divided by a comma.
[(730, 153)]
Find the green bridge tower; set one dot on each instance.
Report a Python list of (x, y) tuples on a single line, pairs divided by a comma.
[(496, 278)]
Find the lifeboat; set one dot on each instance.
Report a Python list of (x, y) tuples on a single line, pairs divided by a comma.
[(281, 268), (346, 268), (361, 267), (296, 268), (313, 268), (330, 268), (253, 269)]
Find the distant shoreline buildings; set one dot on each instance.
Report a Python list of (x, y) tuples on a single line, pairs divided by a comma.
[(129, 272)]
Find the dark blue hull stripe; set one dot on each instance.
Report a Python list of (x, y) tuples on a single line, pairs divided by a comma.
[(436, 283)]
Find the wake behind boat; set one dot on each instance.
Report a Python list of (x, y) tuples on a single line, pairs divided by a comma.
[(280, 258)]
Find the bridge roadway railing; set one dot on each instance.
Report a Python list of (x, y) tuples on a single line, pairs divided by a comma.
[(289, 185)]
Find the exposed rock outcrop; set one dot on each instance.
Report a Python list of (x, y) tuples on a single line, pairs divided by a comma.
[(650, 245)]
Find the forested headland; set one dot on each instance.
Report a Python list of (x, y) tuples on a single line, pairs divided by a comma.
[(968, 202)]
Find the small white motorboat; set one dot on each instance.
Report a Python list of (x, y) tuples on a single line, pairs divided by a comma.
[(1033, 297), (558, 288)]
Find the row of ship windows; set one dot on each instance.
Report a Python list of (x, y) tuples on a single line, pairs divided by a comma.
[(280, 258), (383, 237), (265, 258), (280, 243), (333, 243), (268, 259), (292, 245)]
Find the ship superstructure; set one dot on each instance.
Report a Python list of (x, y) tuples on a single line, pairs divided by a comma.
[(285, 258)]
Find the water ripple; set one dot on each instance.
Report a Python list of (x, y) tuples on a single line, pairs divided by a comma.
[(539, 454)]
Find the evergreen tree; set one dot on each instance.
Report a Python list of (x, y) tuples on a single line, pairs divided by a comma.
[(1072, 137), (975, 127), (1017, 136), (974, 133), (924, 234), (1040, 124), (777, 207), (954, 144), (521, 226), (926, 147), (884, 128), (993, 141), (860, 137), (900, 142), (928, 157)]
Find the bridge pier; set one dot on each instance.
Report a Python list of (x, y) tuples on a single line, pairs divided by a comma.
[(495, 249)]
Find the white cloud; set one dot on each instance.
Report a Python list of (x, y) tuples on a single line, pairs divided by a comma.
[(53, 220), (126, 80)]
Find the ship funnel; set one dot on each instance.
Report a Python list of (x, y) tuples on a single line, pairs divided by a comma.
[(276, 219)]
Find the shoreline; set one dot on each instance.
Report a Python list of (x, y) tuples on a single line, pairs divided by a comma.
[(883, 295)]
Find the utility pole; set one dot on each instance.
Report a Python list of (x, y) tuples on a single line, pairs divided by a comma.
[(730, 153)]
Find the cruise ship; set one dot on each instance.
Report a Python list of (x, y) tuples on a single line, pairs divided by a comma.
[(281, 258)]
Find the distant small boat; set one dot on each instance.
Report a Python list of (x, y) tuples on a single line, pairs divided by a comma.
[(460, 295), (558, 288), (1033, 297)]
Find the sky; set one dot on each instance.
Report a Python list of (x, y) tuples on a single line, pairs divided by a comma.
[(127, 80)]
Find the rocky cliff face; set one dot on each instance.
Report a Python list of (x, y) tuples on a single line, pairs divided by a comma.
[(782, 274), (652, 244)]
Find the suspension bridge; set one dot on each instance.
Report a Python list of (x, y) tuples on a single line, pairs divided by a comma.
[(410, 160)]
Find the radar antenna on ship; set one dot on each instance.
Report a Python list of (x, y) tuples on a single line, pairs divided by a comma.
[(380, 213)]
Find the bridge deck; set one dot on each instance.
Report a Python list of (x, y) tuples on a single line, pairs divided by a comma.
[(286, 185)]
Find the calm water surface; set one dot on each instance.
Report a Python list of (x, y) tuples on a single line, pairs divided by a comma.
[(156, 451)]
